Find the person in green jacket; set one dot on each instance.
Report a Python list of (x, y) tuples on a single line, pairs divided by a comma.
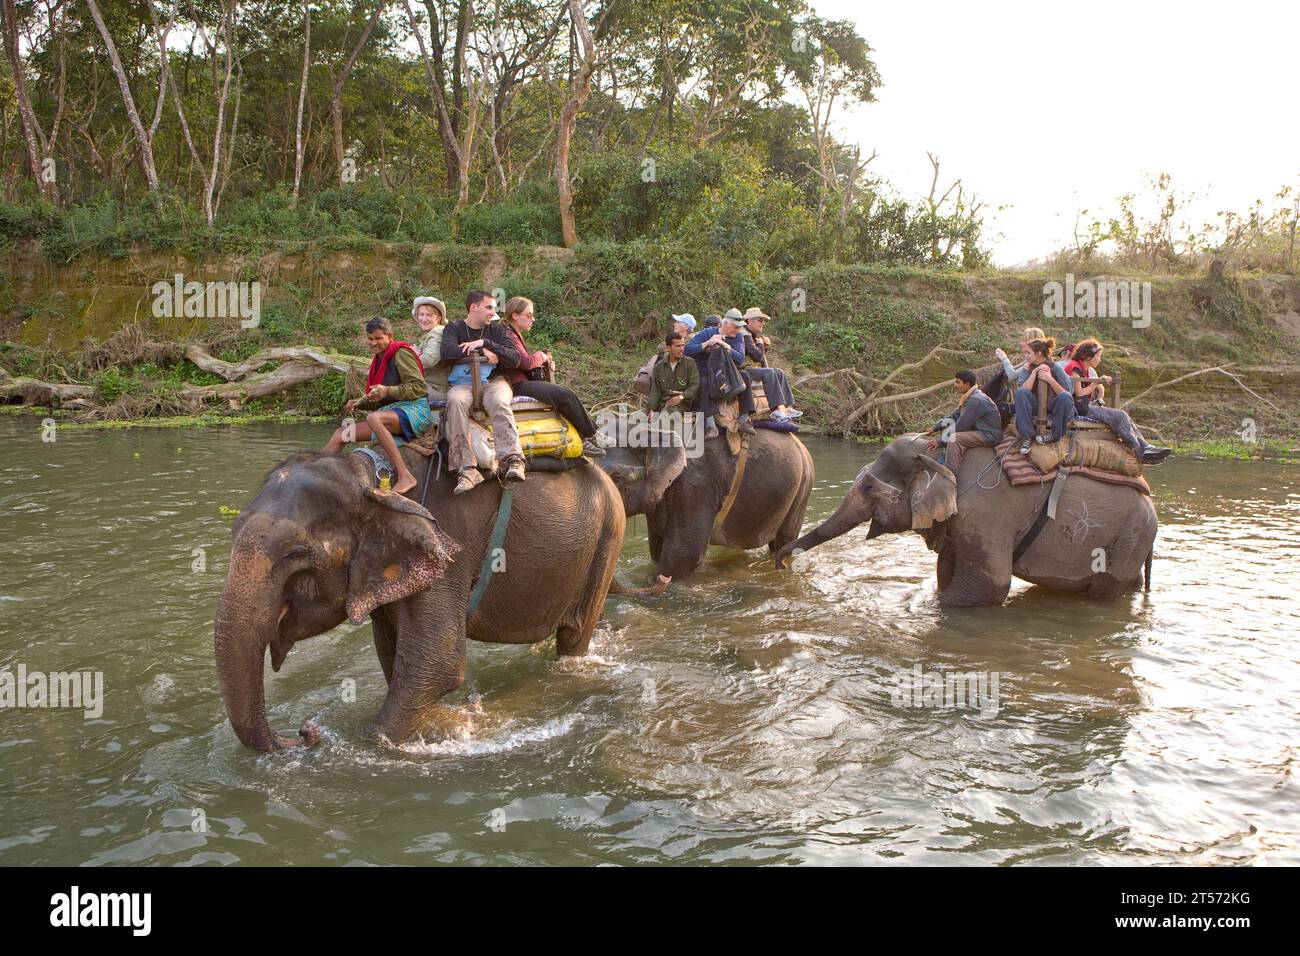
[(675, 380), (397, 393), (430, 315)]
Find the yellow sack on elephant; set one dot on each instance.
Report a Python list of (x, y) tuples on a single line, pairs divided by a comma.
[(1089, 448), (541, 432)]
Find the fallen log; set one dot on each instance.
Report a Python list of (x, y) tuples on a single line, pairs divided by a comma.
[(31, 391), (305, 355), (258, 386)]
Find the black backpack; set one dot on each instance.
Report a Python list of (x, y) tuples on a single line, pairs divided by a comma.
[(724, 378)]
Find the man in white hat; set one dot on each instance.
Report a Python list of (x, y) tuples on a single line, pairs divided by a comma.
[(776, 386)]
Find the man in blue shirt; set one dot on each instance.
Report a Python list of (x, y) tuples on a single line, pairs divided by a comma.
[(726, 336)]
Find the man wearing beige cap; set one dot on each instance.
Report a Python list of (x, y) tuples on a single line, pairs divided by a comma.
[(776, 386)]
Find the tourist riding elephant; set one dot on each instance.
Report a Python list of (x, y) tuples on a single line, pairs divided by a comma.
[(681, 495), (320, 545), (1100, 540)]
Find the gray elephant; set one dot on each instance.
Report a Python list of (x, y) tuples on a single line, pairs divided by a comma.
[(1099, 542), (682, 496), (319, 545)]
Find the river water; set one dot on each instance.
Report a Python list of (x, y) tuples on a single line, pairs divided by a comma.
[(748, 716)]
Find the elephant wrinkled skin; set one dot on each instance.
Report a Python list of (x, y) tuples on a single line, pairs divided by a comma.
[(1099, 542), (318, 545)]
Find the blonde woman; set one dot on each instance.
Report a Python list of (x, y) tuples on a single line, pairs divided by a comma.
[(430, 315)]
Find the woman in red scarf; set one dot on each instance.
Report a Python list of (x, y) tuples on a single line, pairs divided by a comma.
[(398, 393)]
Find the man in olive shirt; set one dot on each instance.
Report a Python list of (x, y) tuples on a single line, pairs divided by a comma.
[(675, 381)]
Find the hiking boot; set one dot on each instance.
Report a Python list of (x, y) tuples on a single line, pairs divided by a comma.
[(469, 478), (711, 431), (744, 426), (1151, 455), (592, 448), (514, 468)]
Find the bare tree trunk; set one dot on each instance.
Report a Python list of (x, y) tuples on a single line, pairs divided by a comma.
[(141, 137), (336, 99), (33, 136), (302, 99), (579, 89), (433, 70)]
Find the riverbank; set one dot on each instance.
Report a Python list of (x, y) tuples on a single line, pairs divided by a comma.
[(1216, 360)]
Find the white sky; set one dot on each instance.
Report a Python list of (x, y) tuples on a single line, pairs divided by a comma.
[(1053, 107)]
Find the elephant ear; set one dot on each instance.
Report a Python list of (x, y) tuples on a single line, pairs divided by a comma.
[(401, 551), (663, 467), (933, 493)]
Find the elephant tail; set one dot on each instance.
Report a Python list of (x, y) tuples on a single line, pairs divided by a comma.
[(1146, 570), (659, 587)]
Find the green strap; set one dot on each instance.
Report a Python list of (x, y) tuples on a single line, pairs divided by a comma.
[(498, 539)]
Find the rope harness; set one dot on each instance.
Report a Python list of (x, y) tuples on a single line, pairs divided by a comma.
[(494, 546)]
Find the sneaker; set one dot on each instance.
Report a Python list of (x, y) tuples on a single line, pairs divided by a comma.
[(515, 468), (1025, 445), (469, 479), (780, 417), (794, 413), (711, 431), (592, 448), (602, 440), (1044, 439), (1151, 455)]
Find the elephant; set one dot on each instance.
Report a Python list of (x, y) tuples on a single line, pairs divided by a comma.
[(681, 496), (1100, 541), (319, 545)]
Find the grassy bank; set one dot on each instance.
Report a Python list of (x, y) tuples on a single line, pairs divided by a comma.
[(602, 307)]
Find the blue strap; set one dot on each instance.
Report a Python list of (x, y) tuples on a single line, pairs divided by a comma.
[(498, 539)]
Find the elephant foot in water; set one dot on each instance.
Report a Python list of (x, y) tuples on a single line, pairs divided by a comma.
[(308, 737), (654, 590)]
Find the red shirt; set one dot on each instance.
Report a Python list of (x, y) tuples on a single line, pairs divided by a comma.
[(527, 360)]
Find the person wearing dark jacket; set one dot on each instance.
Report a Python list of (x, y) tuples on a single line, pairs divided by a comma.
[(516, 320), (776, 386), (675, 382), (726, 336), (975, 423), (475, 333)]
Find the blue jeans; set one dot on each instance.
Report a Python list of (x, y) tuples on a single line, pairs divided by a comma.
[(1060, 409), (1121, 424)]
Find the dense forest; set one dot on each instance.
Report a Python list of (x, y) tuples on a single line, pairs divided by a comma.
[(701, 124)]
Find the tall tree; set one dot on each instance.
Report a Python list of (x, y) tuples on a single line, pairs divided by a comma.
[(143, 142), (579, 90), (302, 99), (341, 78)]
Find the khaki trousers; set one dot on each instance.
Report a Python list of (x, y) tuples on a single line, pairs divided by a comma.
[(496, 402)]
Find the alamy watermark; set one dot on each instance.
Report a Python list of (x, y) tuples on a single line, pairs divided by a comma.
[(1098, 299), (77, 690), (208, 300), (669, 429), (948, 690)]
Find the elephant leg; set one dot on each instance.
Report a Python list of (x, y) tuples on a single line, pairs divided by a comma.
[(793, 522), (945, 562), (429, 661), (573, 640), (981, 572), (1118, 569), (385, 640)]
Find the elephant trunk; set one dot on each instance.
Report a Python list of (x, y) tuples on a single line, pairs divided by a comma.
[(853, 510), (247, 619)]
